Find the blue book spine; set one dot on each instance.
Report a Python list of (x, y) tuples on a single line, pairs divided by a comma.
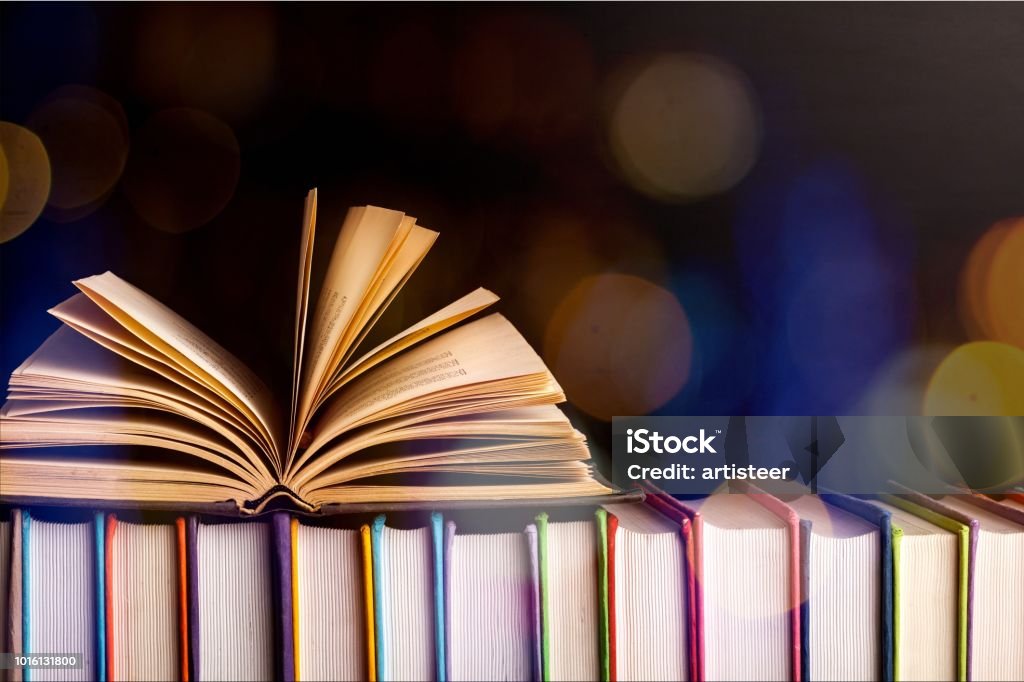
[(101, 599), (376, 531), (26, 584), (437, 532)]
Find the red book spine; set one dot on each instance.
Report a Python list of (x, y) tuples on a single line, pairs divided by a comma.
[(182, 597)]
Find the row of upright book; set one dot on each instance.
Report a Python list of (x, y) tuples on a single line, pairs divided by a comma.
[(729, 587)]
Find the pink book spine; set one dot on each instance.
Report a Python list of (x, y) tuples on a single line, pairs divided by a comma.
[(792, 521)]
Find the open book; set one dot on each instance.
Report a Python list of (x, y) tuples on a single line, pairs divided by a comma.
[(436, 413)]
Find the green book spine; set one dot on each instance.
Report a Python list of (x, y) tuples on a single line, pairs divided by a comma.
[(964, 535), (545, 597), (897, 540), (604, 633)]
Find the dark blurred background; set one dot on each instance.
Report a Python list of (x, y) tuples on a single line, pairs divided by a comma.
[(686, 208)]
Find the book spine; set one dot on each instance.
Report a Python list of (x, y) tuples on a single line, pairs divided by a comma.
[(183, 592), (545, 597), (369, 589), (192, 594), (282, 562), (26, 589), (376, 536), (530, 534), (607, 527), (437, 545), (293, 532), (805, 597), (11, 637), (792, 521), (105, 596)]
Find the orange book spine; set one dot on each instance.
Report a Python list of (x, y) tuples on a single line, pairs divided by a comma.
[(182, 598), (613, 653)]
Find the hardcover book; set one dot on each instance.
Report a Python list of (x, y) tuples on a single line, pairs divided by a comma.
[(930, 555), (437, 413), (842, 593), (648, 593), (748, 576), (329, 612), (489, 606), (568, 584)]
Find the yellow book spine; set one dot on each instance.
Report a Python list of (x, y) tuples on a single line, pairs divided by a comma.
[(295, 593), (371, 660)]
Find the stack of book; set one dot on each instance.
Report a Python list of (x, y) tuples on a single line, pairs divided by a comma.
[(179, 442), (733, 586)]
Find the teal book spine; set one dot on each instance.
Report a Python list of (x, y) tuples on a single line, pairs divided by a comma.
[(101, 598), (376, 530), (437, 536), (26, 584)]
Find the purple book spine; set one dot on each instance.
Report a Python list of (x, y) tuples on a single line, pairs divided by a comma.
[(531, 541), (283, 568), (192, 568)]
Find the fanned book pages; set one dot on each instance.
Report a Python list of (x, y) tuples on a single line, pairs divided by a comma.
[(447, 410)]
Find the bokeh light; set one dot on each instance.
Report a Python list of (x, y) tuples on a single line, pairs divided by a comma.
[(220, 58), (898, 387), (724, 364), (183, 169), (26, 179), (829, 273), (992, 284), (978, 378), (525, 75), (85, 133), (683, 126), (559, 246), (619, 345)]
